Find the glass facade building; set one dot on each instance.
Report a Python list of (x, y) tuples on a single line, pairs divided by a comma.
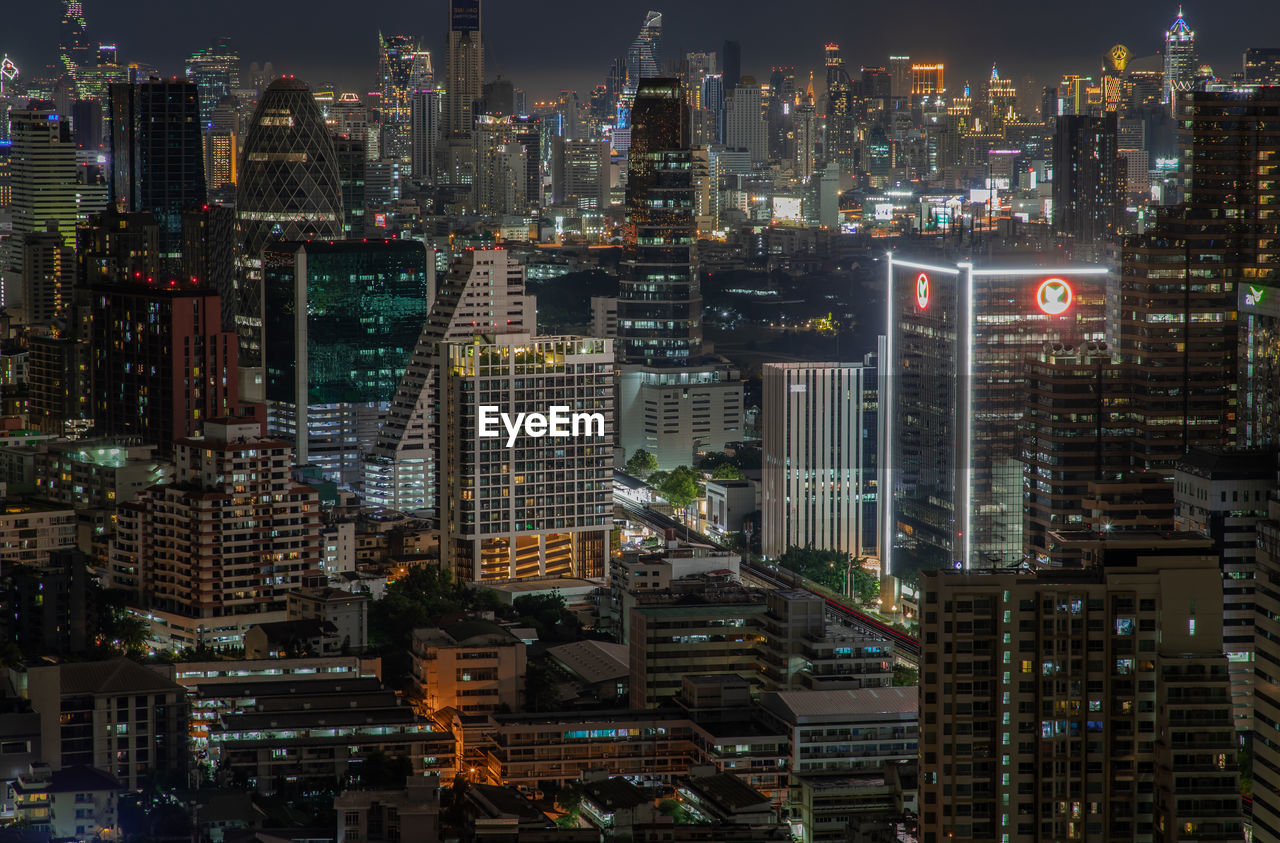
[(952, 396), (342, 320)]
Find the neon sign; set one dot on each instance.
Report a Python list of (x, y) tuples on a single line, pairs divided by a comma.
[(1254, 296), (1054, 296), (922, 291)]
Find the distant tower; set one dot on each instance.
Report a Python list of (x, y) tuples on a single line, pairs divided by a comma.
[(215, 71), (73, 46), (1179, 59), (464, 67), (731, 61), (642, 56), (397, 56), (288, 190)]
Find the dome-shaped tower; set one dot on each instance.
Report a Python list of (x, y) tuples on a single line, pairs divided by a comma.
[(288, 190)]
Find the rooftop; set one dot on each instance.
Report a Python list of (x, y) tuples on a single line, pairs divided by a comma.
[(116, 676), (728, 792), (593, 661), (863, 702)]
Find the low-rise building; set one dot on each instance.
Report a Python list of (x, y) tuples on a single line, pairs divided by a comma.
[(72, 804), (730, 503), (474, 666), (404, 815), (32, 529), (831, 731), (347, 611), (291, 639)]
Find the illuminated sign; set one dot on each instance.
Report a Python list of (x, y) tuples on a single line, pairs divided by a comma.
[(1054, 296), (464, 16), (922, 291), (1254, 296), (8, 69)]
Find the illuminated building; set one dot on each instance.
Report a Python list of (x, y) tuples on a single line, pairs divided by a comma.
[(499, 171), (73, 44), (642, 57), (1179, 59), (215, 71), (424, 133), (222, 159), (806, 134), (538, 505), (157, 155), (1114, 86), (342, 319), (288, 190), (353, 166), (953, 391), (483, 294), (818, 485), (900, 77), (927, 80), (1002, 99), (209, 254), (744, 123), (473, 666), (219, 549), (1262, 66), (1088, 177), (580, 174), (397, 55), (30, 532), (464, 68), (838, 109), (48, 272), (1111, 722), (697, 67)]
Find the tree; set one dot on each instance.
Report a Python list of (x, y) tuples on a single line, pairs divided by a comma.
[(680, 487), (727, 471), (642, 464), (904, 676)]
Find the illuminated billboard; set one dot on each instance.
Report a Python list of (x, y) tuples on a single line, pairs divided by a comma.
[(953, 387)]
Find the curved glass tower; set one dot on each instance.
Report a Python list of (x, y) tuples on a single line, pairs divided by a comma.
[(288, 190)]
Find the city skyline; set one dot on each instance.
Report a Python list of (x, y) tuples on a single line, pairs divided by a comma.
[(530, 50)]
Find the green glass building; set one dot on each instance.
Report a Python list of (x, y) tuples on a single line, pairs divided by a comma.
[(342, 318)]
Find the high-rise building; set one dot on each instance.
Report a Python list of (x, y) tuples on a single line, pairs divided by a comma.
[(900, 77), (1088, 177), (288, 190), (483, 294), (744, 123), (353, 167), (1265, 816), (953, 389), (209, 255), (157, 155), (1262, 66), (731, 61), (537, 502), (341, 320), (1179, 59), (838, 108), (464, 68), (643, 60), (73, 44), (215, 71), (162, 366), (580, 174), (397, 57), (818, 487), (219, 549), (48, 274), (499, 182), (1222, 493), (424, 133), (927, 80), (1109, 718), (1002, 99)]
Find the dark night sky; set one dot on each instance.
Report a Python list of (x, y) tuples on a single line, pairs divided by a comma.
[(569, 43)]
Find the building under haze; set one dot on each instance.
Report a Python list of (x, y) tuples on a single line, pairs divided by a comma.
[(464, 68)]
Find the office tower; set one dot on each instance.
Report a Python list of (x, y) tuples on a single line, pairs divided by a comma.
[(806, 132), (953, 391), (1222, 493), (424, 133), (744, 123), (59, 385), (1109, 719), (1088, 177), (157, 160), (731, 58), (1262, 66), (353, 166), (222, 154), (87, 709), (1076, 430), (499, 171), (42, 164), (557, 488), (696, 67), (927, 80), (673, 401), (580, 174), (219, 549), (73, 44), (1179, 60), (899, 77), (464, 68), (1002, 99), (341, 320), (483, 294), (48, 273), (643, 55), (396, 58), (838, 107), (215, 71), (162, 366), (528, 131), (288, 190), (1265, 744), (818, 486)]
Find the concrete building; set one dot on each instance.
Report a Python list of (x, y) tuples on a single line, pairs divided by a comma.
[(580, 174), (744, 123), (116, 716), (74, 804), (474, 666), (818, 487), (729, 503), (679, 412), (1266, 679), (1105, 687), (407, 815), (31, 530), (347, 611), (850, 730)]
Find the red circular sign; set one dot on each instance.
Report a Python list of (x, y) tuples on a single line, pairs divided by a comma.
[(922, 291), (1054, 296)]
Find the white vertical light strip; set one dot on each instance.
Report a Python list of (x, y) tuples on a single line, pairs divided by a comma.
[(971, 322), (301, 374), (884, 434)]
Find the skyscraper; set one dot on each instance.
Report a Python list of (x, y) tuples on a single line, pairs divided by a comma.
[(1088, 177), (288, 190), (818, 484), (464, 68), (157, 154), (642, 55), (483, 294), (397, 55), (424, 133), (341, 320), (731, 62), (215, 71), (744, 123), (73, 44), (1179, 59)]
